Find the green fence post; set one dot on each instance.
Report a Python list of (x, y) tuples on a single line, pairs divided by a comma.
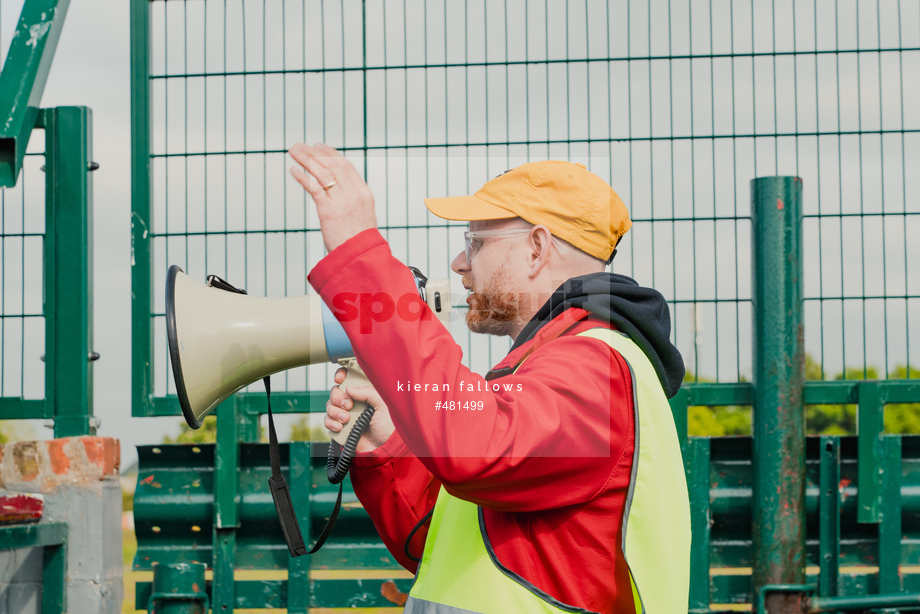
[(141, 261), (226, 502), (890, 529), (300, 479), (829, 517), (68, 270), (778, 531), (698, 461), (870, 423), (54, 576)]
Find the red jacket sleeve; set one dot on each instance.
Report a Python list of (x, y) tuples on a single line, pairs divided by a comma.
[(397, 491), (546, 437)]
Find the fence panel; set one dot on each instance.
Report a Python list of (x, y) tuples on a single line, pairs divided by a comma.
[(45, 251), (677, 104)]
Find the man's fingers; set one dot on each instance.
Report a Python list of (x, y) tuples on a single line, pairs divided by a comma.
[(364, 393), (332, 425), (330, 156), (336, 414), (309, 183), (338, 398), (340, 374), (314, 162)]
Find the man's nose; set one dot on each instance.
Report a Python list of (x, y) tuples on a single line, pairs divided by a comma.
[(459, 265)]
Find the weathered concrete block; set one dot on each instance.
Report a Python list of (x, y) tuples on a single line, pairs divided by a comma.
[(21, 584), (25, 597), (27, 566), (79, 478)]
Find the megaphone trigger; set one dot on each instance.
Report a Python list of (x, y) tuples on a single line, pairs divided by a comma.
[(354, 377)]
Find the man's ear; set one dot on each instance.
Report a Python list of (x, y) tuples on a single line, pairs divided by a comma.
[(540, 243)]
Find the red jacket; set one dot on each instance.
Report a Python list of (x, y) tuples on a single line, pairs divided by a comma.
[(548, 457)]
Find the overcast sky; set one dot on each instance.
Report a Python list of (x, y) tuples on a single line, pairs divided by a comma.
[(615, 117)]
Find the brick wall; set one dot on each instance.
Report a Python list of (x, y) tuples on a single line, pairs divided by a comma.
[(78, 477)]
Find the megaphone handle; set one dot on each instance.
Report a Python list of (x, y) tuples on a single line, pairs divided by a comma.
[(354, 377)]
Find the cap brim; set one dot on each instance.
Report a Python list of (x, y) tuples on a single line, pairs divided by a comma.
[(466, 208)]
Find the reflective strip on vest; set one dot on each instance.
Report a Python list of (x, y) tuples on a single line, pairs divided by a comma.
[(459, 573)]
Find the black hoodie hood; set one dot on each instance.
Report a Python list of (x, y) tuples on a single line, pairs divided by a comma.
[(640, 313)]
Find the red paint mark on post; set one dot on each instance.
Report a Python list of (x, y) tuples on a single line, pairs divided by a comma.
[(102, 452), (779, 203), (147, 480), (60, 463)]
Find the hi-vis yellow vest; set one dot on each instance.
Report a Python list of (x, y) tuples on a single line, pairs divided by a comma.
[(460, 574)]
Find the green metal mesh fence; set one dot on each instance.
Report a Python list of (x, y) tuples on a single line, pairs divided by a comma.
[(22, 326), (677, 104), (22, 228)]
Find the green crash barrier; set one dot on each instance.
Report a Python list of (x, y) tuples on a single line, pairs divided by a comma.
[(178, 588), (174, 509)]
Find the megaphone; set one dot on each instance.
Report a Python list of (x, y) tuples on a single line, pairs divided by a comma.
[(220, 341)]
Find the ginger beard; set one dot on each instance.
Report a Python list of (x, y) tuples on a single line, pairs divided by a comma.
[(492, 307)]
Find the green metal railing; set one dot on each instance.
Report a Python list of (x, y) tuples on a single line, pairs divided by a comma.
[(677, 105), (51, 256), (179, 495)]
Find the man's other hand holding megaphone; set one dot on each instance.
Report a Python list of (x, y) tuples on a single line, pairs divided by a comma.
[(339, 404)]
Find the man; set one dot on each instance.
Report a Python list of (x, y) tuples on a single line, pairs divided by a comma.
[(565, 492)]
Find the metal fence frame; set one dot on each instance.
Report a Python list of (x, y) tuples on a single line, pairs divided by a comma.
[(67, 237), (879, 455)]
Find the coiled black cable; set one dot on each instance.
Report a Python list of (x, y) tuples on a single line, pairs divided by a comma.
[(412, 533), (337, 464)]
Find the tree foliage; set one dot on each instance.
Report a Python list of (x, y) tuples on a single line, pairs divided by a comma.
[(903, 417), (302, 431), (15, 430), (721, 421), (206, 434), (900, 418)]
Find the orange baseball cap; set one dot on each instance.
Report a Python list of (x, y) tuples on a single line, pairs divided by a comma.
[(573, 203)]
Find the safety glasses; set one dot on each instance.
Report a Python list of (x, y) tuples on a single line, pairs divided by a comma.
[(473, 239)]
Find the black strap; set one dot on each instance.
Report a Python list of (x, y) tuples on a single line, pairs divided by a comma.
[(329, 523), (281, 494), (612, 256), (216, 282)]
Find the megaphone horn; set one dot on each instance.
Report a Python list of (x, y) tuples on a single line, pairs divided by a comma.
[(220, 342)]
